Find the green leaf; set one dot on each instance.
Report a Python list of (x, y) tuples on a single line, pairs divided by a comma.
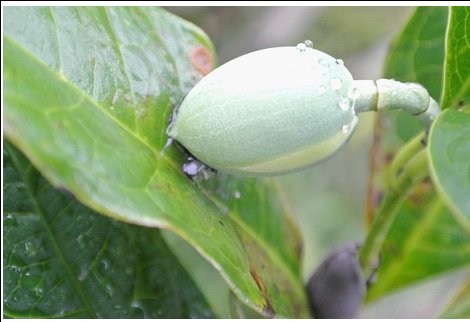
[(425, 239), (63, 260), (449, 151), (457, 63), (90, 110), (417, 55)]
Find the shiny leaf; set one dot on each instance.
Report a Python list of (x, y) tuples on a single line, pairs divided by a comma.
[(449, 152), (63, 260), (457, 64), (88, 95), (424, 241), (425, 238)]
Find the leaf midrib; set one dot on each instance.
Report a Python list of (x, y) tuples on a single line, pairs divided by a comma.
[(453, 101), (414, 237), (50, 232), (276, 258)]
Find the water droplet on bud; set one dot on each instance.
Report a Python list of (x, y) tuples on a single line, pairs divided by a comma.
[(340, 62), (302, 47), (354, 93), (345, 103), (336, 83)]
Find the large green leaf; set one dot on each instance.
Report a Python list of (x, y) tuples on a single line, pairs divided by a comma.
[(449, 152), (88, 92), (450, 135), (61, 259), (457, 63), (425, 239), (417, 54)]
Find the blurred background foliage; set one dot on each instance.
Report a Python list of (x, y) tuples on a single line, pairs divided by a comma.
[(328, 200)]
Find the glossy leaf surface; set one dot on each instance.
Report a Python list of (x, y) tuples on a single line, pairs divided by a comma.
[(449, 152), (425, 238), (457, 65), (63, 260), (88, 95)]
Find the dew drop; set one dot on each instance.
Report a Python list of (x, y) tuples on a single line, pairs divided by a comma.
[(109, 289), (237, 194), (308, 43), (323, 65), (105, 263), (340, 62), (346, 128), (30, 249), (83, 273), (354, 93), (139, 305), (336, 83), (302, 47), (345, 103), (384, 89), (321, 90)]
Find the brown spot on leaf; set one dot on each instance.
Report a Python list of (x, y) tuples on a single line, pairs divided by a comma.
[(268, 307), (202, 59), (421, 194), (59, 126)]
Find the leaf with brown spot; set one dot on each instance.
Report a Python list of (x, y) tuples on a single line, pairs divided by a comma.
[(90, 110)]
